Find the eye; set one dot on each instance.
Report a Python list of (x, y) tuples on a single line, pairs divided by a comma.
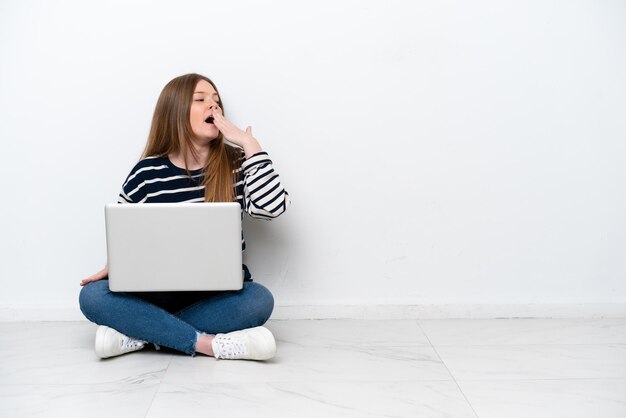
[(199, 100)]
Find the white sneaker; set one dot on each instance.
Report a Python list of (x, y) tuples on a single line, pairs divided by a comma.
[(248, 344), (110, 342)]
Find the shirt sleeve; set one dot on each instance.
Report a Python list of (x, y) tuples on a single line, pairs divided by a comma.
[(134, 188), (264, 195)]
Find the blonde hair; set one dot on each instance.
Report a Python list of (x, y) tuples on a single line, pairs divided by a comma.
[(171, 132)]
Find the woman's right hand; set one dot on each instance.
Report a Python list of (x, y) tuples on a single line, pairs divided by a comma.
[(95, 277)]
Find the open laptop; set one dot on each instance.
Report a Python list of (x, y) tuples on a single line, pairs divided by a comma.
[(157, 247)]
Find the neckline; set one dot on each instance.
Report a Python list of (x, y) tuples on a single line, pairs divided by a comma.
[(169, 162)]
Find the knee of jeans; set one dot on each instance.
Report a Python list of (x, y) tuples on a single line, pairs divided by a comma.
[(90, 297), (264, 302)]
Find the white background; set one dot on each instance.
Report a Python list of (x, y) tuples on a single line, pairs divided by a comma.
[(443, 152)]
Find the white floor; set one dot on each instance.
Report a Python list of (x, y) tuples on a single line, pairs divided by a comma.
[(331, 368)]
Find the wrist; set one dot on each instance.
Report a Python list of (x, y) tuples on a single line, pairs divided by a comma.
[(251, 147)]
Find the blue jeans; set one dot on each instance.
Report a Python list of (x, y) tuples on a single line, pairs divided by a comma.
[(175, 319)]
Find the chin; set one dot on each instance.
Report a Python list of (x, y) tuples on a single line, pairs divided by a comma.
[(204, 137)]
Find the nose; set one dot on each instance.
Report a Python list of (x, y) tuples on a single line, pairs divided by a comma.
[(214, 107)]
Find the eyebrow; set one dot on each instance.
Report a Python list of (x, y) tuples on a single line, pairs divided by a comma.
[(196, 92)]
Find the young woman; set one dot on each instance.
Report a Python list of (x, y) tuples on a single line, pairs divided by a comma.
[(187, 160)]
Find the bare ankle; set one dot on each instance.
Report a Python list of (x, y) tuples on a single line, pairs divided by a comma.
[(204, 345)]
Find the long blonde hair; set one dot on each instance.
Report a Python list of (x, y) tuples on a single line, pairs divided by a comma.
[(171, 132)]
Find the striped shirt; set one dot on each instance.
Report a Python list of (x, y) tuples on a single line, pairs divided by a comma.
[(258, 188)]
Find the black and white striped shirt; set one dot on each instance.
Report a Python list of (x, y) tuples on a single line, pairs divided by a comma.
[(258, 188)]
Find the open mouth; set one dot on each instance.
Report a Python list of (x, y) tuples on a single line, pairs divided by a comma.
[(209, 119)]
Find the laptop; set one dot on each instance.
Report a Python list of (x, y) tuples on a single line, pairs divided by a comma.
[(156, 247)]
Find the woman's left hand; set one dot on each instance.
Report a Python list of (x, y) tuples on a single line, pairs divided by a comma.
[(232, 133)]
